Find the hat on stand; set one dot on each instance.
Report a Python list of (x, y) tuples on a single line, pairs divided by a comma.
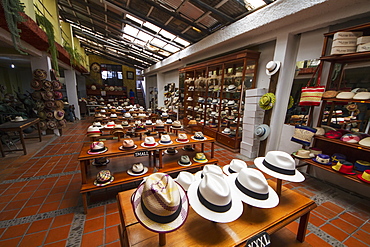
[(104, 177), (165, 140), (212, 199), (323, 159), (137, 169), (272, 67), (184, 161), (149, 142), (160, 204), (234, 167), (280, 165), (253, 189)]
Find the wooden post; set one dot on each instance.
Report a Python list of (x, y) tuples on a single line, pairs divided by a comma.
[(278, 186), (162, 239)]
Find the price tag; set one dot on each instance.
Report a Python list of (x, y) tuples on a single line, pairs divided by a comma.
[(141, 153), (260, 240)]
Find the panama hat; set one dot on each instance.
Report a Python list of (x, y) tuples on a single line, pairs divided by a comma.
[(253, 189), (212, 198), (214, 169), (198, 135), (267, 101), (97, 148), (345, 95), (365, 176), (182, 138), (200, 158), (165, 140), (262, 131), (272, 67), (234, 167), (302, 154), (128, 144), (280, 165), (185, 179), (323, 159), (319, 131), (59, 114), (344, 167), (176, 125), (137, 169), (103, 178), (365, 142), (36, 84), (110, 125), (362, 96), (160, 204), (93, 130), (149, 142), (184, 161)]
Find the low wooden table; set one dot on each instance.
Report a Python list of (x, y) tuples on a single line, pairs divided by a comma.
[(198, 231), (19, 127)]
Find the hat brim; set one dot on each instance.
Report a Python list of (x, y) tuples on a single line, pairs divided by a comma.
[(349, 173), (155, 226), (166, 152), (100, 152), (359, 176), (127, 148), (103, 184), (197, 139), (168, 143), (225, 169), (298, 177), (100, 164), (267, 132), (270, 202), (182, 141), (278, 64), (145, 146), (131, 173), (200, 161), (232, 214), (181, 164)]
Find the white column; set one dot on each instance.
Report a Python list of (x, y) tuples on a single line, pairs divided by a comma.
[(285, 51), (160, 85), (43, 62), (71, 87)]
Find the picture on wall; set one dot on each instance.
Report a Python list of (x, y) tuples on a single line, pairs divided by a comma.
[(130, 75)]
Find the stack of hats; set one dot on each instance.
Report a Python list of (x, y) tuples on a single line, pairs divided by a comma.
[(48, 100), (363, 44), (344, 42)]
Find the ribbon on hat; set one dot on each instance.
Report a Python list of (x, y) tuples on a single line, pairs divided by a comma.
[(160, 218), (250, 193), (211, 206), (277, 169)]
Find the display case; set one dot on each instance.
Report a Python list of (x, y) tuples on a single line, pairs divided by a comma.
[(214, 94)]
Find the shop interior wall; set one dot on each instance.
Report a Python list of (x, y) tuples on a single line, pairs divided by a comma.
[(95, 78), (16, 80), (150, 82)]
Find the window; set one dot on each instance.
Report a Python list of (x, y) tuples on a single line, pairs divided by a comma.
[(112, 74)]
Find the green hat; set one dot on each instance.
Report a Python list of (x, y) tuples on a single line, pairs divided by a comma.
[(267, 101)]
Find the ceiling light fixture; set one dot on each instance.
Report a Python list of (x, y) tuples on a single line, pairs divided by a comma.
[(12, 66)]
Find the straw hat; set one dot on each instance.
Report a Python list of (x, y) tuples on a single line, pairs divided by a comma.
[(149, 142), (39, 74), (272, 67), (47, 95), (103, 178), (234, 167), (46, 85), (52, 124), (253, 189), (137, 169), (165, 140), (36, 95), (267, 101), (262, 131), (160, 204), (214, 169), (36, 84), (56, 85), (212, 198), (302, 153), (200, 158), (59, 104), (184, 160), (59, 114), (280, 165), (365, 142)]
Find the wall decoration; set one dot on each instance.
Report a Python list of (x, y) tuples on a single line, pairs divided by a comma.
[(130, 75)]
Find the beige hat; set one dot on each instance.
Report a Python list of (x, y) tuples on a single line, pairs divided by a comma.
[(365, 142), (345, 95), (362, 96)]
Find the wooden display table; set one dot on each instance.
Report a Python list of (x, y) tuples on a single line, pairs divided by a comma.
[(19, 127), (121, 161), (198, 231)]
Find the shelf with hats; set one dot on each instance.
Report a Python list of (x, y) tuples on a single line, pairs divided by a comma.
[(121, 159), (353, 177), (218, 95)]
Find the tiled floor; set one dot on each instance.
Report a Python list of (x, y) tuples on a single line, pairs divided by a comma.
[(40, 203)]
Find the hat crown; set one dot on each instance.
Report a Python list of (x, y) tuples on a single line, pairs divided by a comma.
[(97, 145), (185, 179), (161, 195), (216, 170), (236, 165), (92, 129), (129, 142), (138, 167), (270, 66), (253, 180), (215, 189), (280, 159), (182, 136), (103, 175), (165, 138), (149, 139)]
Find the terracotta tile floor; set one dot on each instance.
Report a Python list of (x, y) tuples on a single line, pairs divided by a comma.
[(40, 203)]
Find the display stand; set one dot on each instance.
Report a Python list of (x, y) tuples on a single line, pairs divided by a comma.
[(198, 231), (121, 161)]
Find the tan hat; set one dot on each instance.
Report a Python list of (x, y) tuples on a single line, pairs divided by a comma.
[(330, 94), (362, 96), (345, 95), (365, 142)]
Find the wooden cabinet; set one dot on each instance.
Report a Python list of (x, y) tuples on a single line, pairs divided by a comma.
[(213, 94)]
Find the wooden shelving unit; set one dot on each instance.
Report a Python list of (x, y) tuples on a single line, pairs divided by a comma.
[(121, 161)]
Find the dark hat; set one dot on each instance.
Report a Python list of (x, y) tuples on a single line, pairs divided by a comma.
[(56, 85), (47, 95), (36, 95), (39, 74), (36, 84), (59, 104), (47, 85), (49, 114), (50, 104), (43, 125), (52, 124), (62, 123), (39, 105), (58, 95)]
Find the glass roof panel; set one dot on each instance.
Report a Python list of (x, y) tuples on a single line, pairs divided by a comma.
[(158, 42), (128, 16), (131, 30), (144, 36), (181, 41), (152, 27), (167, 35), (128, 37), (171, 48)]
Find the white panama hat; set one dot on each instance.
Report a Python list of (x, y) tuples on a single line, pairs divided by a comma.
[(234, 167), (253, 189), (185, 179), (212, 198), (272, 67), (214, 169), (280, 165), (137, 169), (262, 131)]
